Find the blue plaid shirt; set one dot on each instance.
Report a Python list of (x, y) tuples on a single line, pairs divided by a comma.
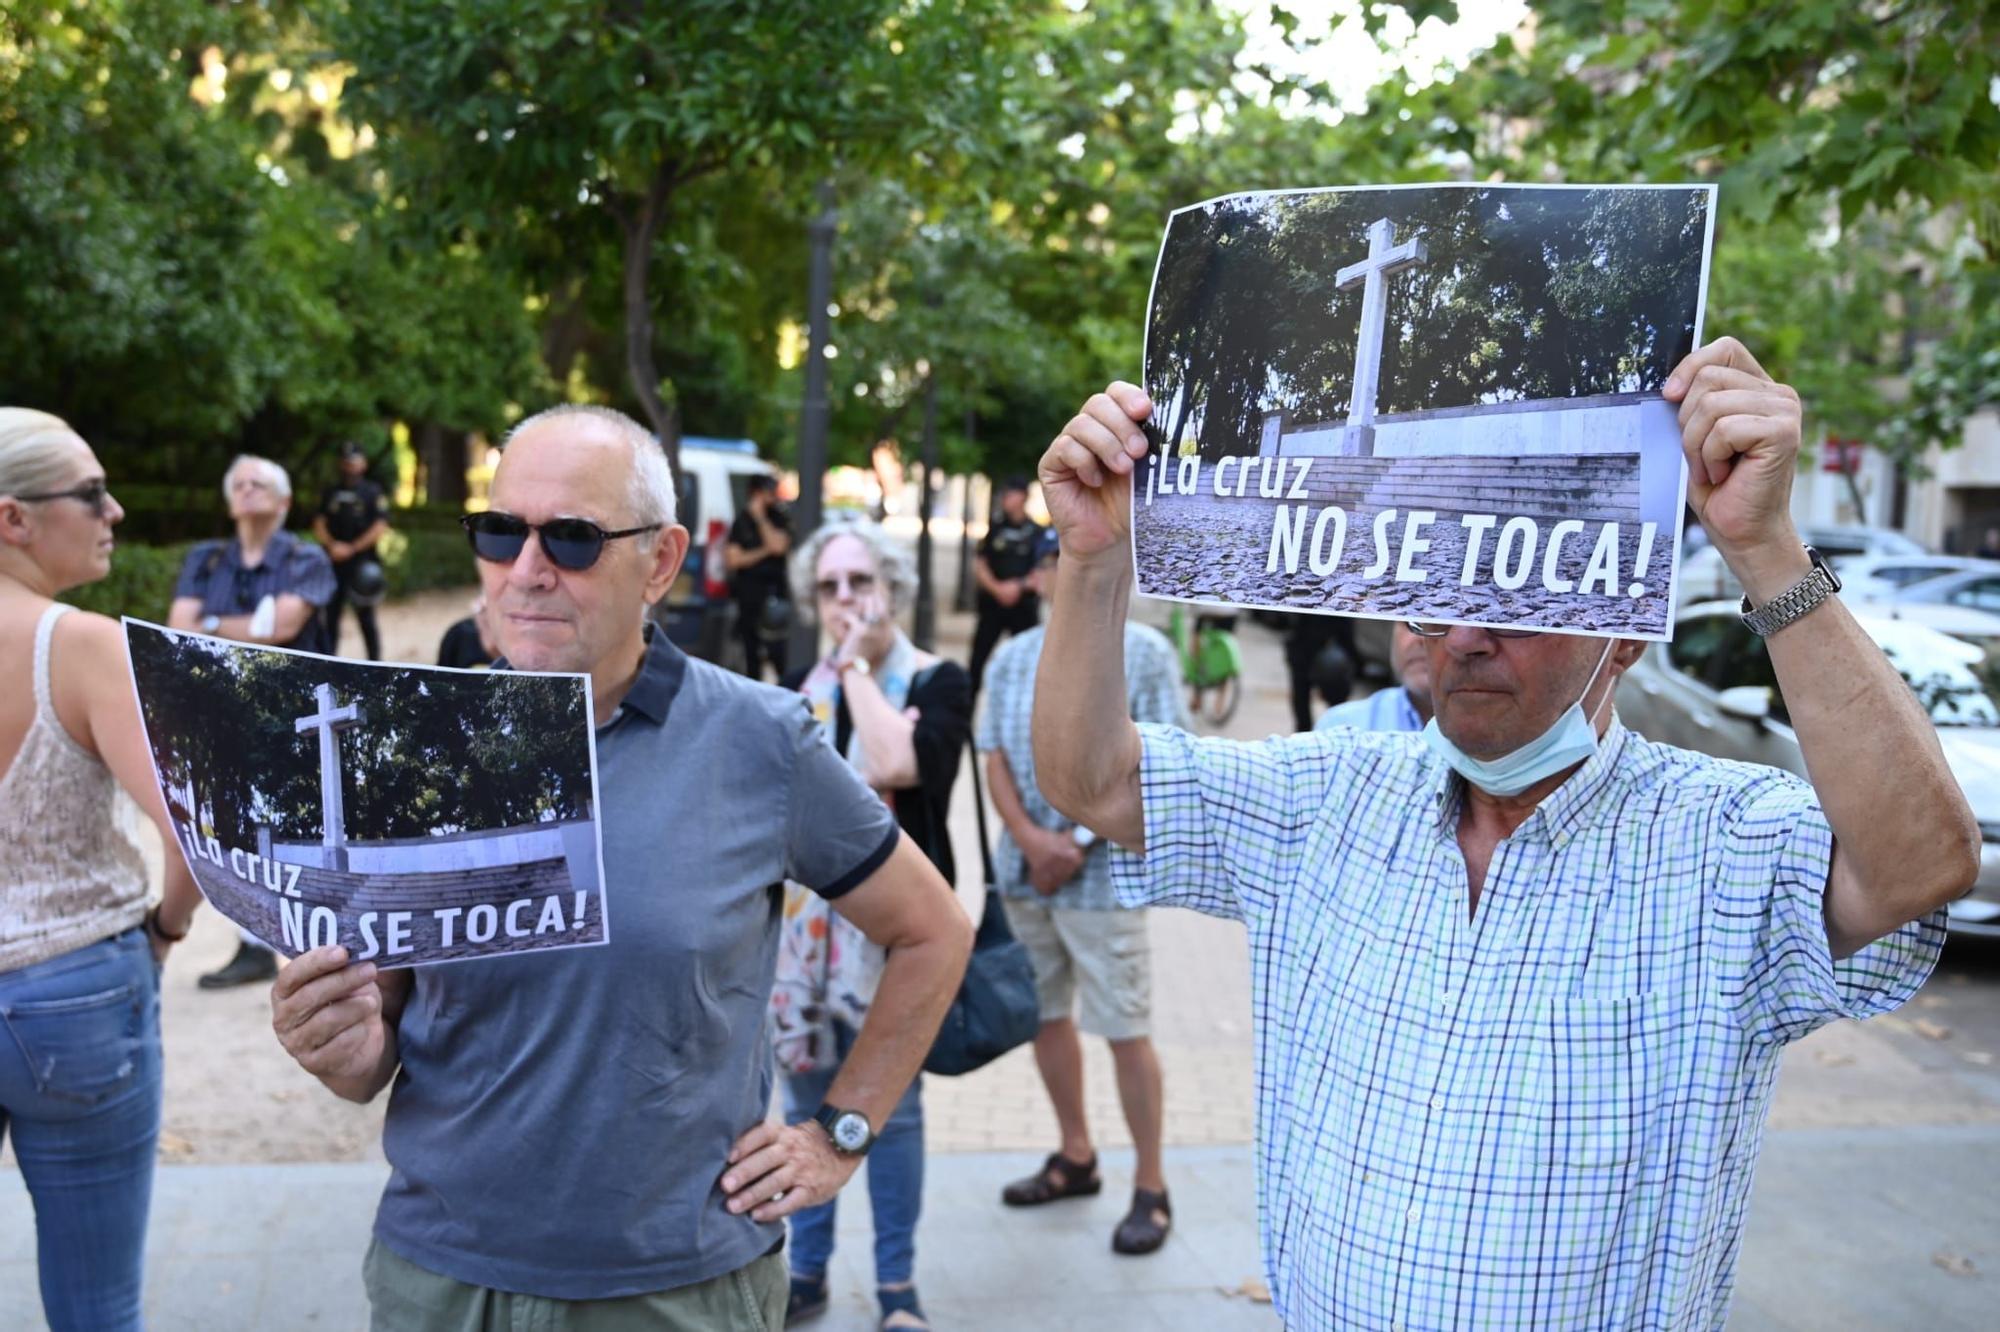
[(1543, 1116), (215, 574), (1152, 693)]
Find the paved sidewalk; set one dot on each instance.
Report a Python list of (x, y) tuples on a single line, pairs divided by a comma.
[(1854, 1230), (269, 1247)]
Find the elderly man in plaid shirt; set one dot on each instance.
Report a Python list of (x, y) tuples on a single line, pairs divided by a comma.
[(1522, 982)]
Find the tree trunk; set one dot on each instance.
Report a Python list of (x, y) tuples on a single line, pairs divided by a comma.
[(1850, 472), (1173, 437), (962, 599), (565, 330), (441, 454), (642, 228)]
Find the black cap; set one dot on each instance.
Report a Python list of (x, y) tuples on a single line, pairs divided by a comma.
[(1015, 482), (353, 450)]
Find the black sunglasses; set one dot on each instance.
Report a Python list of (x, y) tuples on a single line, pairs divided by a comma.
[(570, 543), (92, 495)]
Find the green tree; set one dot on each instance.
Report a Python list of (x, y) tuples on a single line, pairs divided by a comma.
[(508, 115), (198, 265)]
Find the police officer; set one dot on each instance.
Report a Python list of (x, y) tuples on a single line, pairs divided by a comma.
[(351, 519), (1001, 567)]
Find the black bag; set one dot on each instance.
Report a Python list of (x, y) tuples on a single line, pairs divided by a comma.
[(774, 619), (997, 1007)]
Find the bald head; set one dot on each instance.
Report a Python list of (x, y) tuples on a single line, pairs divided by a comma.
[(649, 482), (600, 466)]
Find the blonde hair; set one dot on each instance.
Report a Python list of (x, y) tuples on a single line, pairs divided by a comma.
[(33, 460)]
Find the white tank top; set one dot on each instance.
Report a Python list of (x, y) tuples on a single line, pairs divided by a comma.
[(69, 873)]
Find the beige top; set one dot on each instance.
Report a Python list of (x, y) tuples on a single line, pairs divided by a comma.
[(69, 873)]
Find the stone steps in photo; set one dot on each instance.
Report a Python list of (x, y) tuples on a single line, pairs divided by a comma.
[(394, 892), (1599, 487)]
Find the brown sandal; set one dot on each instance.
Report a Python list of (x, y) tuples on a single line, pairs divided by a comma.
[(1145, 1227), (1058, 1178)]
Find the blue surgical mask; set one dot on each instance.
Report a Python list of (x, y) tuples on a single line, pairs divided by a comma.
[(1571, 740)]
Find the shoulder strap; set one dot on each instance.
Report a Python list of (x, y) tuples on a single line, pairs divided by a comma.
[(45, 630), (979, 812)]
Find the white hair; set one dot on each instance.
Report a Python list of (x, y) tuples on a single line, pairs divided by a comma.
[(893, 565), (651, 493), (279, 479), (34, 458)]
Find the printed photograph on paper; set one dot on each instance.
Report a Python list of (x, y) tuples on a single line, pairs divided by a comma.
[(1431, 402), (411, 814)]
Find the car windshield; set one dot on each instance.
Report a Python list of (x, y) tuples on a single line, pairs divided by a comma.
[(1957, 683)]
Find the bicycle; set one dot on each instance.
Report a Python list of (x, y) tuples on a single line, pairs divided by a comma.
[(1211, 663)]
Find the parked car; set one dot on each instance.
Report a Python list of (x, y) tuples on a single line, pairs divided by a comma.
[(1705, 576), (1886, 577), (713, 485), (1712, 689), (1964, 604)]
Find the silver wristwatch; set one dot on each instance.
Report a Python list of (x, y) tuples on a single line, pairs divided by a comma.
[(1819, 583)]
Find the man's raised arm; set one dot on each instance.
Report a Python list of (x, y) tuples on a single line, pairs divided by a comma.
[(1086, 747), (1905, 841)]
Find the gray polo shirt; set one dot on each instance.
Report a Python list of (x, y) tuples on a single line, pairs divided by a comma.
[(561, 1120)]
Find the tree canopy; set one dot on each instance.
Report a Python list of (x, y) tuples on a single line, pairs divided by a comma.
[(1523, 293), (436, 751), (277, 226)]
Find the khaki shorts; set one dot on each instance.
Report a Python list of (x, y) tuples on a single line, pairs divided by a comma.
[(1103, 953), (403, 1297)]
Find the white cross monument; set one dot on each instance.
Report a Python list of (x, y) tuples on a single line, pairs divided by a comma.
[(1384, 257), (330, 721)]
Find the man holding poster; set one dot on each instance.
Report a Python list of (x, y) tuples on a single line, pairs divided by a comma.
[(1521, 982), (586, 1125)]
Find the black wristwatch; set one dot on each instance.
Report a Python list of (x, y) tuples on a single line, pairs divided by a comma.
[(848, 1130)]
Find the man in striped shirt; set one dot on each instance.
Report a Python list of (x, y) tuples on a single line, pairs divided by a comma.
[(1521, 982)]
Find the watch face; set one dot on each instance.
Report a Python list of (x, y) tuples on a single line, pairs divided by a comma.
[(850, 1132)]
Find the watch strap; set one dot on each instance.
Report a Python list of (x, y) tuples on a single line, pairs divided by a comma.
[(827, 1115), (1819, 583)]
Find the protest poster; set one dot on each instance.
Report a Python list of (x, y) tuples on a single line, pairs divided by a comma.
[(1429, 402), (411, 814)]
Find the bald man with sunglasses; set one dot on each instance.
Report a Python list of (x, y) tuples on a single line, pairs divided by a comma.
[(578, 1137), (1520, 983)]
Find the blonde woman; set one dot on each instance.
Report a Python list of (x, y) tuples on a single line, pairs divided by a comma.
[(79, 951)]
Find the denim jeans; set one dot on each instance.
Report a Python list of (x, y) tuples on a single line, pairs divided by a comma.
[(80, 1091), (895, 1179)]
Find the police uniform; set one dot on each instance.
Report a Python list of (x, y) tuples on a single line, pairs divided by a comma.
[(1009, 551), (351, 508)]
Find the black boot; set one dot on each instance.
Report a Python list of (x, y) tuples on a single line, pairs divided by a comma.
[(253, 962)]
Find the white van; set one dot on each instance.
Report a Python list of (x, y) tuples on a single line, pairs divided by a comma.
[(714, 483)]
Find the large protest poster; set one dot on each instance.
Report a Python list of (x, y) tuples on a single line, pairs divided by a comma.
[(411, 814), (1434, 402)]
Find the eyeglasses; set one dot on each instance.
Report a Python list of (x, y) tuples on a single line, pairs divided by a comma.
[(1433, 629), (570, 543), (860, 584), (94, 495)]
